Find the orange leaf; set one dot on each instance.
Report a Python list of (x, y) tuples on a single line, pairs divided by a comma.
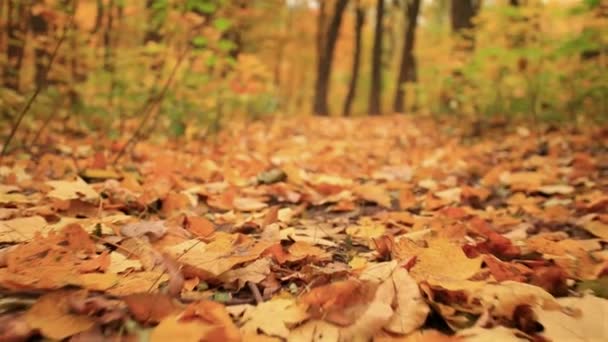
[(199, 226), (52, 316), (150, 307)]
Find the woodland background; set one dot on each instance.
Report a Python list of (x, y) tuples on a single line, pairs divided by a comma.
[(151, 64)]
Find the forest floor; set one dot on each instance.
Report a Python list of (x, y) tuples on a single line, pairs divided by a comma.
[(388, 228)]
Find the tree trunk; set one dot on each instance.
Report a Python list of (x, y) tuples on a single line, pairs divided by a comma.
[(352, 88), (16, 33), (40, 30), (376, 81), (98, 16), (407, 70), (326, 59), (462, 13)]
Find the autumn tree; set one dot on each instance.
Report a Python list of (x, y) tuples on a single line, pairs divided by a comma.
[(407, 68), (352, 88), (325, 59), (375, 107)]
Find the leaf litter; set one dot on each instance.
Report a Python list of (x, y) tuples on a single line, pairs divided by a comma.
[(384, 229)]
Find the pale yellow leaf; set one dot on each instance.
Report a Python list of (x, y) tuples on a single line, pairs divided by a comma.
[(274, 317), (68, 190)]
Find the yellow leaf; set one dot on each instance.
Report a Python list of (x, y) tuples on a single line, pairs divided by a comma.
[(443, 258), (68, 190), (597, 228), (273, 317), (171, 329), (373, 193), (583, 319), (22, 229)]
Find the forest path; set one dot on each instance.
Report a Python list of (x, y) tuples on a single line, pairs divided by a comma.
[(373, 227)]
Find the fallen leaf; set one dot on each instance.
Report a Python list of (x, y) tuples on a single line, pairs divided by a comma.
[(285, 314), (22, 229), (120, 263), (431, 262), (51, 315), (373, 193), (151, 229), (580, 319), (68, 190), (173, 329), (556, 189), (498, 333), (199, 226), (255, 272), (149, 308), (248, 204), (215, 315)]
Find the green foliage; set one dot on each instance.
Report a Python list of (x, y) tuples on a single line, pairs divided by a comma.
[(516, 70)]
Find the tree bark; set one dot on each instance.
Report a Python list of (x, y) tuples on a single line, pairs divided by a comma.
[(376, 79), (407, 69), (326, 59), (462, 13), (352, 88), (40, 30), (16, 33)]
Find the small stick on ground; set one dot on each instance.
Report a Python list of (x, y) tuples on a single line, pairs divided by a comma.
[(256, 292)]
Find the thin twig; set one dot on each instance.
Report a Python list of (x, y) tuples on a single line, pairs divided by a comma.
[(256, 292), (152, 103), (38, 89)]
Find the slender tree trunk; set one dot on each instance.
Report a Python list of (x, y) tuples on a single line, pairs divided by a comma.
[(352, 88), (321, 19), (98, 16), (153, 27), (462, 13), (40, 30), (326, 59), (16, 33), (375, 107), (407, 70)]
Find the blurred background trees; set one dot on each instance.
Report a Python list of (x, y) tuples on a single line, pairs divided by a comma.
[(205, 61)]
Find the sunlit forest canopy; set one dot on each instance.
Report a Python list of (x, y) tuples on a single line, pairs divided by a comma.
[(206, 61)]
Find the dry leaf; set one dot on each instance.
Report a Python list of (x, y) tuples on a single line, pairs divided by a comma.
[(273, 318), (373, 193), (52, 316), (581, 319), (68, 190)]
